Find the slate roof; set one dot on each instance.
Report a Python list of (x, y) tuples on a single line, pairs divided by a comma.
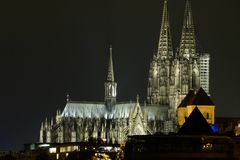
[(78, 109), (96, 110), (187, 99), (201, 98)]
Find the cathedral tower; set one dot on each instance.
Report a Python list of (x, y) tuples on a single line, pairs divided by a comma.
[(188, 57), (188, 39), (158, 85), (110, 85)]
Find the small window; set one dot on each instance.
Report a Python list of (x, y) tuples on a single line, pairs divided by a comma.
[(208, 116)]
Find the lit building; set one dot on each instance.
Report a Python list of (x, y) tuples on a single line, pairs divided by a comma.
[(171, 76), (200, 100), (61, 151), (204, 72)]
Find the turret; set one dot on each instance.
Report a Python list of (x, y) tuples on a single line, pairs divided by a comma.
[(58, 117), (110, 85), (41, 134)]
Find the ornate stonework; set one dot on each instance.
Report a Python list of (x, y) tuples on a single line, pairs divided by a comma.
[(171, 76)]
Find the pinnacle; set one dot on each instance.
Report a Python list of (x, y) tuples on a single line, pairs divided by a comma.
[(137, 99)]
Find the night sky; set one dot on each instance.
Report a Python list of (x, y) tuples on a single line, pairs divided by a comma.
[(49, 48)]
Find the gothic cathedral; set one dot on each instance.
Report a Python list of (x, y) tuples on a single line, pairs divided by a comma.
[(172, 74)]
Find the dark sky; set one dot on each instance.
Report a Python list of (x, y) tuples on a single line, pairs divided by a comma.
[(50, 48)]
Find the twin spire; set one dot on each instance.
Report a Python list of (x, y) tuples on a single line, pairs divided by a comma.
[(187, 43), (188, 39), (165, 49)]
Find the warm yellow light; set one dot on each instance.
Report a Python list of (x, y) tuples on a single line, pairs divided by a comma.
[(53, 150), (62, 149), (75, 148)]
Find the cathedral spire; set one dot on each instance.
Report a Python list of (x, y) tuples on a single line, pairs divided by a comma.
[(68, 98), (110, 85), (110, 76), (188, 39), (165, 49), (159, 69)]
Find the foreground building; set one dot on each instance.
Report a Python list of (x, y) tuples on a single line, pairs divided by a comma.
[(171, 76), (180, 147), (199, 100)]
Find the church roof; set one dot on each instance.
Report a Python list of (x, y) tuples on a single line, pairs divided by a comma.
[(96, 110), (78, 109), (201, 98), (187, 99), (195, 124)]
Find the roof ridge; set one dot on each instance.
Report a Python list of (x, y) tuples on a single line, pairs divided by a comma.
[(201, 98)]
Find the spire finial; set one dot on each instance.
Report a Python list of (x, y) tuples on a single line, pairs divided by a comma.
[(110, 76), (110, 49), (137, 99), (68, 98), (188, 21)]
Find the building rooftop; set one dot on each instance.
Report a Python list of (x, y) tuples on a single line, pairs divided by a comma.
[(201, 98), (195, 124)]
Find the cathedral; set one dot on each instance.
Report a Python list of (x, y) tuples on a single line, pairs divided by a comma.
[(171, 75)]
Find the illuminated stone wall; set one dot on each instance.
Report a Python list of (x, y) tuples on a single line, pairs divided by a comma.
[(208, 112)]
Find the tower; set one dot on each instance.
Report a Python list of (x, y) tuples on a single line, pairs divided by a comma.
[(188, 57), (158, 85), (204, 72), (110, 85), (188, 40)]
